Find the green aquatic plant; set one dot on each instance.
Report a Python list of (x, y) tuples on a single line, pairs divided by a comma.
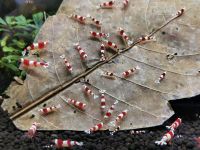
[(16, 33)]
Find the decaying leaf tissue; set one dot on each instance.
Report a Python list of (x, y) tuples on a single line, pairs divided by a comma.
[(117, 63)]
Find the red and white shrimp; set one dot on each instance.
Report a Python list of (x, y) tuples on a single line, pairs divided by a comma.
[(59, 143), (131, 71), (124, 36), (88, 91), (120, 117), (76, 103), (32, 131), (67, 64), (45, 111), (111, 45), (180, 12), (125, 3), (94, 21), (102, 100), (82, 53), (166, 138), (32, 63), (110, 111), (78, 18), (107, 5), (162, 77), (102, 53), (122, 33), (109, 75), (95, 128), (146, 39), (175, 124), (98, 35), (35, 47)]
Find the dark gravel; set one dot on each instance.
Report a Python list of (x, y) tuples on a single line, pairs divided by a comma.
[(12, 138)]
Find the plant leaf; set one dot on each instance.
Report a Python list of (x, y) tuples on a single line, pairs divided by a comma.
[(20, 43), (12, 67), (29, 21), (22, 27), (4, 30), (10, 20), (8, 49), (23, 34), (12, 57), (38, 19), (21, 20), (2, 21), (4, 41)]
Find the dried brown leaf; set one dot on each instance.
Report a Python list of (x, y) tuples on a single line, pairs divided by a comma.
[(146, 101)]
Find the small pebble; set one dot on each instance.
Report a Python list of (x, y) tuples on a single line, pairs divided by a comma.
[(13, 107), (32, 116), (18, 105)]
